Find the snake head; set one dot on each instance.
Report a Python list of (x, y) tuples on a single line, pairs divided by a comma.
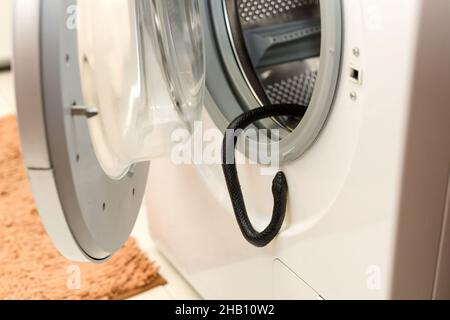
[(279, 184)]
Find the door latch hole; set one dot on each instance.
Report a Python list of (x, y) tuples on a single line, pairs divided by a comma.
[(355, 75)]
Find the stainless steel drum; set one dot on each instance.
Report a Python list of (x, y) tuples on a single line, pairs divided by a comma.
[(278, 44)]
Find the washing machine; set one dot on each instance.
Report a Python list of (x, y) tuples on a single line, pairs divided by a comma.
[(108, 91)]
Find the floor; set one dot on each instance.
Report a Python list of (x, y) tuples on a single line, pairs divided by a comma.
[(177, 288), (5, 30)]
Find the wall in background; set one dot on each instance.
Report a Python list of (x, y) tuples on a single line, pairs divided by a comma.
[(5, 31)]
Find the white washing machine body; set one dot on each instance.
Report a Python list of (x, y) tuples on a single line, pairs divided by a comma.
[(366, 202), (367, 167)]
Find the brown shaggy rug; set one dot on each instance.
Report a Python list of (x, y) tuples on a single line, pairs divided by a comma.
[(31, 268)]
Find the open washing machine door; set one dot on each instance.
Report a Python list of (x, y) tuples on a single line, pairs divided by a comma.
[(100, 87)]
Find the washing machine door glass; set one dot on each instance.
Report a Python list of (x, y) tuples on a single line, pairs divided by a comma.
[(127, 49), (101, 85)]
